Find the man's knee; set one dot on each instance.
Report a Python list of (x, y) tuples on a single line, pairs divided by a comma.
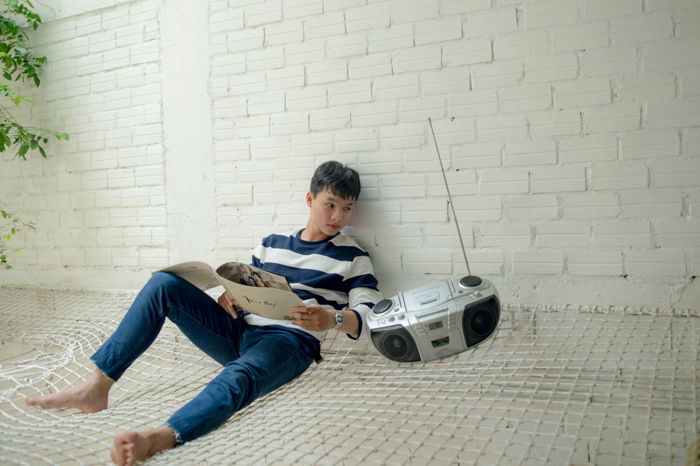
[(164, 281)]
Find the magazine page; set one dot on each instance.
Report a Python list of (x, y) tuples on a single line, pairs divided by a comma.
[(245, 274), (270, 296), (200, 274)]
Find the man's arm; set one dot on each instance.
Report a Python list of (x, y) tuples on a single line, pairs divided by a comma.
[(319, 319)]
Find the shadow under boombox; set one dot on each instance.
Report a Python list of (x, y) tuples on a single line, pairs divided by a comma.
[(435, 321)]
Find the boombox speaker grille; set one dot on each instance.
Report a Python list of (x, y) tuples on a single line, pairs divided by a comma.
[(396, 344), (479, 320)]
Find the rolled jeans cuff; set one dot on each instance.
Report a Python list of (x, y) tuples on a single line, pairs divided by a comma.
[(176, 434)]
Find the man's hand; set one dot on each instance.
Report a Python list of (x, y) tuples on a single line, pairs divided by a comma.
[(229, 305), (313, 318)]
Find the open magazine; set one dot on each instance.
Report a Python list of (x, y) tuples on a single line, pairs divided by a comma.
[(254, 290)]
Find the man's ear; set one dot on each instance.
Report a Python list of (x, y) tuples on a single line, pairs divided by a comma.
[(309, 198)]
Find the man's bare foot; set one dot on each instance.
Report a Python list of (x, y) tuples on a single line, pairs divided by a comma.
[(90, 396), (131, 446)]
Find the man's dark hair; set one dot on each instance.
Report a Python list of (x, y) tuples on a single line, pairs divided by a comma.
[(339, 179)]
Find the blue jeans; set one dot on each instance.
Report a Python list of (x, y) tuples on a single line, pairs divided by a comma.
[(256, 360)]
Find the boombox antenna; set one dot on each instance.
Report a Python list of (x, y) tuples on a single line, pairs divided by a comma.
[(449, 196)]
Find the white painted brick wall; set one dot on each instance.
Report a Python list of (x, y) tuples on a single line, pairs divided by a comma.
[(533, 207), (563, 234), (651, 203), (601, 263), (520, 44), (538, 262), (622, 233), (654, 263), (570, 130)]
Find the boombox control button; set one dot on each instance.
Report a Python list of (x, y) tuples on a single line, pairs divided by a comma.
[(423, 300), (469, 281), (476, 294), (382, 306), (391, 319)]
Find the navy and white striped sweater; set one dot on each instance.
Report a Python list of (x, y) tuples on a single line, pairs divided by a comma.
[(334, 273)]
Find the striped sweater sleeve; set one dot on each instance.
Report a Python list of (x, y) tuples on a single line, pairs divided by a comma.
[(362, 290)]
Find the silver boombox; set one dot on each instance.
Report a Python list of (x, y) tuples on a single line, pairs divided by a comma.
[(435, 321)]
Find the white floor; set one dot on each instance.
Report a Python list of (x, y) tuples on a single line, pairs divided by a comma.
[(553, 387)]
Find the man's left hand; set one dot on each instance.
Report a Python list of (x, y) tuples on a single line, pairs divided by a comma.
[(313, 318)]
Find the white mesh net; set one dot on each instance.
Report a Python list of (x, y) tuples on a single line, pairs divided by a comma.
[(553, 387)]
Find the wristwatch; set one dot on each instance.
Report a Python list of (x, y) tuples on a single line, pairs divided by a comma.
[(338, 319)]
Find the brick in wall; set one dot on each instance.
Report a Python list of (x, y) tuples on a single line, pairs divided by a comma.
[(427, 261), (562, 234), (353, 44), (422, 211), (328, 119), (558, 179), (551, 68), (396, 87), (402, 136), (622, 234), (445, 236), (514, 235), (675, 173), (590, 148), (649, 144), (289, 123), (438, 30), (497, 74), (368, 17), (595, 263), (651, 203), (477, 155), (539, 152), (580, 37), (520, 44), (650, 86), (420, 58), (301, 8), (672, 114), (538, 262), (473, 103), (422, 108), (672, 54), (619, 176), (532, 207), (461, 184), (665, 262), (490, 22), (585, 93), (678, 233), (396, 37), (606, 61), (284, 33), (467, 52), (550, 123), (504, 181), (525, 98), (479, 208), (445, 81)]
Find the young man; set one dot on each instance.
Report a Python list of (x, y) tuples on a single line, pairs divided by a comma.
[(328, 270)]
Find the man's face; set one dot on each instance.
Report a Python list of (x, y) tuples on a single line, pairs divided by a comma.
[(329, 213)]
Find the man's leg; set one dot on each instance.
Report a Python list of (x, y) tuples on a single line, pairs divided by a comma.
[(269, 359), (194, 312)]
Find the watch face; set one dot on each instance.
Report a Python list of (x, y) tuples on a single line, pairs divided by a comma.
[(339, 318)]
